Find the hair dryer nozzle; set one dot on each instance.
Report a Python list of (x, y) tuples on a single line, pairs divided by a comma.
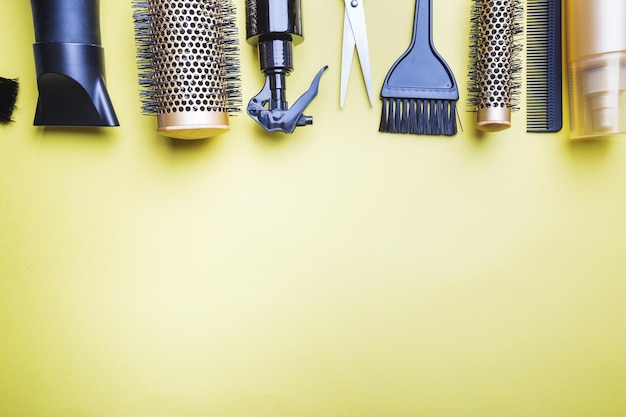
[(70, 65), (71, 86)]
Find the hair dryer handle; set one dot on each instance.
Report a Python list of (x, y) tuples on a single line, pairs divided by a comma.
[(71, 21)]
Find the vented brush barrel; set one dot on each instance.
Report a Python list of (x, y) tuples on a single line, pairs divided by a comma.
[(69, 61), (494, 64), (189, 65)]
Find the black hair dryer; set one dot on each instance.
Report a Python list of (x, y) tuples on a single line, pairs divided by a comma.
[(69, 60), (274, 26)]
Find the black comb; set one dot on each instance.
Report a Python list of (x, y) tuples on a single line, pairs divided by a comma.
[(544, 101)]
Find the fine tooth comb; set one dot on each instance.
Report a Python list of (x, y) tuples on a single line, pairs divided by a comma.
[(544, 80), (419, 93), (188, 59), (495, 66)]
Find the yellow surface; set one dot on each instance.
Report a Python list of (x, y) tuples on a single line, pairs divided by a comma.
[(335, 272)]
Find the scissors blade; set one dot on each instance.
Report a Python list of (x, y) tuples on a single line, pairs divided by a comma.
[(356, 16), (347, 53)]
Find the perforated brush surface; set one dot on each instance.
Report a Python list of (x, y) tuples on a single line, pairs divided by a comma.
[(188, 56), (495, 64)]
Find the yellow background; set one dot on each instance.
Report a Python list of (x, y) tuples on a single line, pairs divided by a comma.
[(335, 272)]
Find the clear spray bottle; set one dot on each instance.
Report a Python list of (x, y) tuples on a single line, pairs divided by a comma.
[(596, 60)]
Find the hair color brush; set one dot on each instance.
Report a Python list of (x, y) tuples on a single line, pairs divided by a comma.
[(419, 93), (70, 64), (495, 66), (8, 97), (188, 57)]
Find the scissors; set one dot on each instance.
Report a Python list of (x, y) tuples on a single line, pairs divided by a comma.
[(354, 33)]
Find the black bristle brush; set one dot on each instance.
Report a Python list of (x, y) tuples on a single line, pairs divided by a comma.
[(8, 96), (495, 65), (188, 59), (419, 93)]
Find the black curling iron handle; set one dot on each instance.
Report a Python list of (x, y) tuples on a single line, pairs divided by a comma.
[(71, 21)]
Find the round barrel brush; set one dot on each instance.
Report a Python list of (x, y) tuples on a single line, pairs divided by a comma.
[(188, 58), (495, 66)]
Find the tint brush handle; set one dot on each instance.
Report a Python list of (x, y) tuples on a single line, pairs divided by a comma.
[(422, 27)]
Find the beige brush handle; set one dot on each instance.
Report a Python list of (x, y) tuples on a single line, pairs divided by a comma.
[(192, 124), (493, 119)]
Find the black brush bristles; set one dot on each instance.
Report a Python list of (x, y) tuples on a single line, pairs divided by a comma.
[(419, 93), (8, 96), (495, 65), (418, 116), (188, 62), (544, 79)]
